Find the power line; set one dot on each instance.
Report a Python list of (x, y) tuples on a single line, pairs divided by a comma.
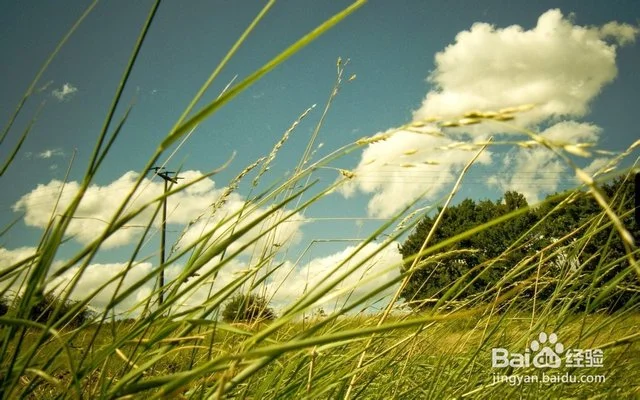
[(383, 173)]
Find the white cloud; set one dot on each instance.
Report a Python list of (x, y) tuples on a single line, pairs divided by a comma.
[(286, 232), (573, 132), (287, 285), (291, 283), (399, 169), (45, 86), (558, 66), (63, 93), (284, 287), (101, 202), (46, 154), (94, 276), (536, 171), (9, 257), (622, 33), (596, 165), (97, 275)]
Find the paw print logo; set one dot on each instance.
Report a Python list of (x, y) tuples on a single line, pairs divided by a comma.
[(548, 351)]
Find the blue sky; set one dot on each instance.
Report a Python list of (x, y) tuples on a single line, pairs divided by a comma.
[(392, 48)]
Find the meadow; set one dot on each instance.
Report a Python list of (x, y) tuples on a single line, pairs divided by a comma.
[(443, 350)]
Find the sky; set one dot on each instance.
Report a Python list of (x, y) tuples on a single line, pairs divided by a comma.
[(576, 61)]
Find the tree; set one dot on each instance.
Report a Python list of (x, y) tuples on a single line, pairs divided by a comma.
[(595, 254), (463, 258), (42, 311), (598, 249), (248, 308)]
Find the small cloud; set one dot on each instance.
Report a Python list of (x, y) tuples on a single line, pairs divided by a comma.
[(45, 86), (257, 95), (53, 167), (50, 153), (64, 92), (622, 33), (596, 165)]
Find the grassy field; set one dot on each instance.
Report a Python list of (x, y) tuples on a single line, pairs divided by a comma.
[(169, 351), (444, 359)]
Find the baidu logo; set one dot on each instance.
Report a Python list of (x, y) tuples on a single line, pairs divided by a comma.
[(546, 352)]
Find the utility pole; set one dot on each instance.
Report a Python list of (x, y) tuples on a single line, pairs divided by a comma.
[(166, 176), (637, 196)]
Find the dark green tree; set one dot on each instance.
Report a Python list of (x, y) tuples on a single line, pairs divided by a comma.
[(42, 311), (482, 258), (594, 255), (597, 247), (248, 308)]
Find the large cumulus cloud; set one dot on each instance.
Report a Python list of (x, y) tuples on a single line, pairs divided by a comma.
[(557, 65)]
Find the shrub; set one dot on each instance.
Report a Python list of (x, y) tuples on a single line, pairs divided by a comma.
[(248, 308), (42, 311), (4, 307)]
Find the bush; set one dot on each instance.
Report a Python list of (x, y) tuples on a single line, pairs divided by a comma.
[(42, 311), (248, 308), (4, 307)]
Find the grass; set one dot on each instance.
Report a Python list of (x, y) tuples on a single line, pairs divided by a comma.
[(441, 360), (169, 351)]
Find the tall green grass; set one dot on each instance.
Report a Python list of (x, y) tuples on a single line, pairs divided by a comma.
[(172, 351)]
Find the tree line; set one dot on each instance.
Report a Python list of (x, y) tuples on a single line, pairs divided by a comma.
[(582, 255)]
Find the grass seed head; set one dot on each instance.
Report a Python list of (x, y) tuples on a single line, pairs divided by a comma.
[(347, 174), (504, 117), (469, 121), (373, 139), (508, 110), (450, 124), (576, 150), (529, 144), (489, 114), (473, 114), (525, 107), (584, 176)]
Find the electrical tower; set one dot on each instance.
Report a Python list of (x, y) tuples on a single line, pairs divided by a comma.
[(169, 180)]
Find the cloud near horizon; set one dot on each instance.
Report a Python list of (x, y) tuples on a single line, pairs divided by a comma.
[(557, 65), (101, 202), (287, 285)]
